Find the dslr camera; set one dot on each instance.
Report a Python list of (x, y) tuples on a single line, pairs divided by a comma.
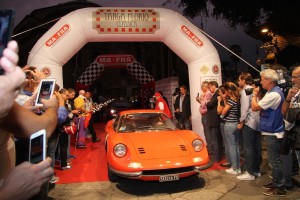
[(256, 82)]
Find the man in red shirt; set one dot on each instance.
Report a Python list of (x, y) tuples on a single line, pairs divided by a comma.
[(162, 105)]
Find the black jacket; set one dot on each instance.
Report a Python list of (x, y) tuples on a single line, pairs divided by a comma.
[(213, 118), (186, 106)]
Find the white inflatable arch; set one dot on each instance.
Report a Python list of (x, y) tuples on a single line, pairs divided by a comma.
[(102, 24)]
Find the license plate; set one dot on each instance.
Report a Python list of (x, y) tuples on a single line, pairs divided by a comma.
[(173, 177)]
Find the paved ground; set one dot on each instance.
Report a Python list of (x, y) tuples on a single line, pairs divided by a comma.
[(207, 185)]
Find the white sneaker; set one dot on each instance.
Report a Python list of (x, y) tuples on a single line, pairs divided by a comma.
[(257, 174), (233, 171), (246, 177), (54, 179)]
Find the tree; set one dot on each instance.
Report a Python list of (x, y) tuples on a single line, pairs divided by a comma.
[(282, 16)]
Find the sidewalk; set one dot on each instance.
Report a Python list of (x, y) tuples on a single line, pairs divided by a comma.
[(210, 185)]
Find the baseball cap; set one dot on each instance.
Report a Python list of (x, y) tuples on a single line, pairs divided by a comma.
[(157, 94)]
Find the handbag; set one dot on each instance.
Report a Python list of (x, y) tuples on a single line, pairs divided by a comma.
[(70, 129)]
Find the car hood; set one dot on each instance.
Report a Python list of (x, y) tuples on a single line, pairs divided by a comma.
[(156, 145)]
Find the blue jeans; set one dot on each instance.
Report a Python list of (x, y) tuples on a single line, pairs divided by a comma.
[(51, 147), (273, 150), (287, 168), (252, 149), (232, 137), (222, 124)]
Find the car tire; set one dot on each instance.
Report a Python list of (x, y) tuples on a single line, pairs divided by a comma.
[(112, 177)]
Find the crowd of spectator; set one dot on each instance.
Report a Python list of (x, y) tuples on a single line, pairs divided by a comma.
[(235, 118), (19, 118)]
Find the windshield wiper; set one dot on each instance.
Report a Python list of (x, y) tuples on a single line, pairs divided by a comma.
[(144, 127)]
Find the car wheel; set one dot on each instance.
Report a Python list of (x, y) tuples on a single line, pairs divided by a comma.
[(112, 177)]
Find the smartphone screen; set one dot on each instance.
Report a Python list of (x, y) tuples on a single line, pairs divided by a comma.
[(45, 90), (37, 147), (6, 26)]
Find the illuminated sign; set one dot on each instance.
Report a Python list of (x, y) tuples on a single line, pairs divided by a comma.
[(192, 36), (63, 30), (129, 21)]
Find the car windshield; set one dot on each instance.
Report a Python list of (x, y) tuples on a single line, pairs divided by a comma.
[(145, 122)]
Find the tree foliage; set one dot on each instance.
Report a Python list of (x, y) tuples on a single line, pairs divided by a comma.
[(282, 16)]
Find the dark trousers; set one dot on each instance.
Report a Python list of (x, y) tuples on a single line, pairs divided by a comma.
[(252, 149), (63, 147), (91, 127), (213, 142)]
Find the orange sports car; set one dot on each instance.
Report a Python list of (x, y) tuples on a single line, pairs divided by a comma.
[(145, 145)]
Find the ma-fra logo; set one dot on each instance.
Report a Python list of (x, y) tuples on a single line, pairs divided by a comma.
[(62, 31), (192, 36), (215, 69), (46, 71)]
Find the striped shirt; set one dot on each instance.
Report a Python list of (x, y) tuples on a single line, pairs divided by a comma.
[(233, 113)]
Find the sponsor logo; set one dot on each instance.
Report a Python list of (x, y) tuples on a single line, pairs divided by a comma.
[(46, 71), (192, 36), (215, 69), (115, 59), (129, 21), (204, 69), (62, 31)]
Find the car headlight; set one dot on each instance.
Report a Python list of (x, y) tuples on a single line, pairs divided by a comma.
[(198, 145), (120, 150)]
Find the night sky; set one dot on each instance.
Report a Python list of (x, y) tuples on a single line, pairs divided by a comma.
[(216, 29)]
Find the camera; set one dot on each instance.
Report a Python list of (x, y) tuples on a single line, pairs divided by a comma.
[(248, 91), (256, 82)]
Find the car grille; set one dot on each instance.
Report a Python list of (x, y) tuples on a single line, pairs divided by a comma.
[(168, 171), (183, 148), (142, 150)]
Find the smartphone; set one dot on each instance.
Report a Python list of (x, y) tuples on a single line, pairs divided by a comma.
[(37, 147), (45, 90), (6, 27)]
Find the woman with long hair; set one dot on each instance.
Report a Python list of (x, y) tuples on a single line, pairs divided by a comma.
[(230, 114)]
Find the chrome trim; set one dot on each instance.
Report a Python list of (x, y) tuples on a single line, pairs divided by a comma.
[(126, 174), (182, 173), (202, 167), (139, 174)]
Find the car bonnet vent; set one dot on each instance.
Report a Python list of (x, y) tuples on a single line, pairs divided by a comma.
[(183, 148), (141, 150)]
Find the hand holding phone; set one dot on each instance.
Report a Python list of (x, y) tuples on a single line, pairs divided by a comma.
[(45, 90), (6, 27), (37, 147)]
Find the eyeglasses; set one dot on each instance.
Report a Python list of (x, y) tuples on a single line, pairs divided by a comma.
[(294, 77)]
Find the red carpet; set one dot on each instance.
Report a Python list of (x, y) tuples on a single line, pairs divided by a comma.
[(90, 163)]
